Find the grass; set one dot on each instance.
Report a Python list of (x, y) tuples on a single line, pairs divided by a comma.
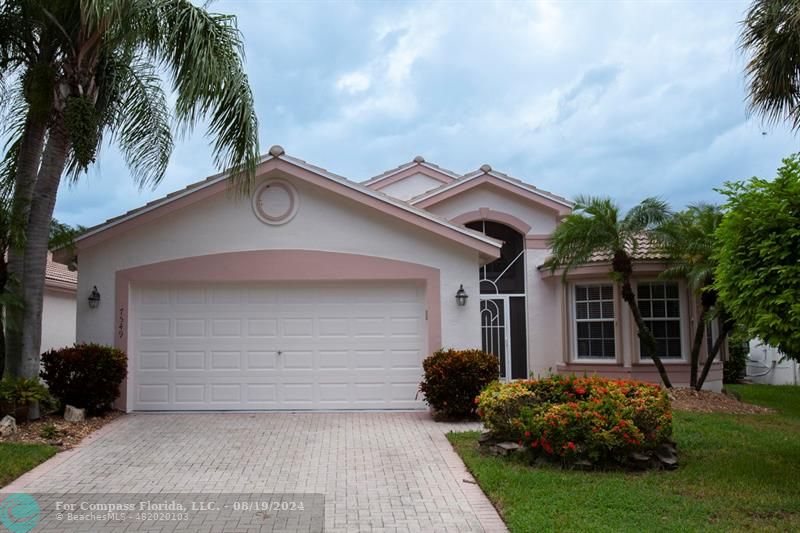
[(16, 459), (737, 473)]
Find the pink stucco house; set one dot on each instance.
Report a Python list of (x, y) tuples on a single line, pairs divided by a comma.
[(317, 292)]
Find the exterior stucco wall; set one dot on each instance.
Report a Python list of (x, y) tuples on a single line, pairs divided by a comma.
[(411, 186), (58, 319), (541, 219), (324, 221)]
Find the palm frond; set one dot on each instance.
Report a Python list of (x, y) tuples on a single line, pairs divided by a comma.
[(141, 122), (771, 37), (204, 53)]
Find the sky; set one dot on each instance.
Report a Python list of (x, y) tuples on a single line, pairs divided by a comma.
[(625, 99)]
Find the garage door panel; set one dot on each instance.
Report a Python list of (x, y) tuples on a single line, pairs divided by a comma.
[(288, 346)]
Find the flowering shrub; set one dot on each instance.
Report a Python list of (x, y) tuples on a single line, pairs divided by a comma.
[(453, 378), (572, 418)]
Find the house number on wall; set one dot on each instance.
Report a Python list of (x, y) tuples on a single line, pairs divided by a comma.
[(121, 328)]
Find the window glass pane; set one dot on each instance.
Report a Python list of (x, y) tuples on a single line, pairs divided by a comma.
[(657, 290), (660, 303), (673, 308), (672, 290), (594, 318), (643, 290)]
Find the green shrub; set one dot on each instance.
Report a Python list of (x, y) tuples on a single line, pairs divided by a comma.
[(21, 392), (453, 378), (734, 367), (571, 418), (49, 431), (85, 375)]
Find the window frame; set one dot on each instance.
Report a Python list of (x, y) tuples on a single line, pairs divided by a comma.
[(573, 323), (683, 309)]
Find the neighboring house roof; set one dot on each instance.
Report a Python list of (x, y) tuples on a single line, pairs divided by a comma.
[(417, 166), (58, 276), (278, 160), (487, 175)]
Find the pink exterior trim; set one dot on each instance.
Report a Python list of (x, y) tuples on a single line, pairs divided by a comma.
[(278, 167), (678, 372), (537, 241), (438, 197), (413, 170), (604, 269), (484, 213), (276, 265)]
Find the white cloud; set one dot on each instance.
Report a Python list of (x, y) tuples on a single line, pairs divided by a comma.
[(353, 82)]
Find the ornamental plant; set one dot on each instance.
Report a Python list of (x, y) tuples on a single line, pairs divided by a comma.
[(453, 378), (570, 418), (85, 375)]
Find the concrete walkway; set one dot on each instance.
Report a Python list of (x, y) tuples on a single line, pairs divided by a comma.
[(377, 471)]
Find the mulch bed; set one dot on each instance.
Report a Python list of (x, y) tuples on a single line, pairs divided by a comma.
[(67, 434), (712, 402)]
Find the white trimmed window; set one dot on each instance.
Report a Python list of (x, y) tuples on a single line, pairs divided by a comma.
[(594, 322), (660, 304)]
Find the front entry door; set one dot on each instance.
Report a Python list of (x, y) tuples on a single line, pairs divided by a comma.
[(495, 331), (502, 282)]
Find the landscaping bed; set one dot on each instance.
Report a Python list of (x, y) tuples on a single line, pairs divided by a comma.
[(712, 402), (737, 472), (53, 430)]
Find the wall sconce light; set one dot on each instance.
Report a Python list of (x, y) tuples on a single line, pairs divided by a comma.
[(461, 296), (94, 298)]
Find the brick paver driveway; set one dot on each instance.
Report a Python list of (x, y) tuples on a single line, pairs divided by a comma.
[(378, 471)]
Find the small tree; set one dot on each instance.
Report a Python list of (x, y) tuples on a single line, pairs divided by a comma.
[(689, 238), (596, 227), (758, 271)]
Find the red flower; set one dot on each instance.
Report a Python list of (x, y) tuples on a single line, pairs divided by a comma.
[(571, 445), (527, 434), (580, 390)]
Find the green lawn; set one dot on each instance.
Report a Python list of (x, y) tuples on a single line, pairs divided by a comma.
[(737, 473), (16, 459)]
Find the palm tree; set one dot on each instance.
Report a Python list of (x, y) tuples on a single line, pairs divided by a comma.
[(597, 229), (771, 37), (688, 239), (80, 72)]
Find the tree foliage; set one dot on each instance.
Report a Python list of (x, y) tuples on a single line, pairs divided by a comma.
[(597, 230), (758, 271), (771, 38)]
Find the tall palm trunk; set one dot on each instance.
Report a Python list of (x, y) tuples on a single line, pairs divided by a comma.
[(648, 341), (622, 265), (697, 343), (28, 161), (725, 330), (54, 160)]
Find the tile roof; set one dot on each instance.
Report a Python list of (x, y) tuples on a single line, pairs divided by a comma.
[(60, 273)]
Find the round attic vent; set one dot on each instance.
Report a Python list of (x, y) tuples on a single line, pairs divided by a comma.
[(275, 202)]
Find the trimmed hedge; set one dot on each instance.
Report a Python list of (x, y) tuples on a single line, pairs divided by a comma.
[(578, 418), (85, 375), (453, 378)]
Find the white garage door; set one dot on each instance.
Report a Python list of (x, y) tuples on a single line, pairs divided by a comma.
[(278, 346)]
